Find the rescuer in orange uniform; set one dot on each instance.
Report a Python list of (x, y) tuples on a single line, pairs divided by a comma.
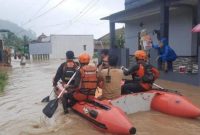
[(143, 75), (85, 83)]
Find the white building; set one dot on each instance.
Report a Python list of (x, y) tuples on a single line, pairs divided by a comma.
[(77, 43), (57, 45)]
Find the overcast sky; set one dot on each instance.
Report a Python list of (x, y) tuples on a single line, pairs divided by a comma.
[(70, 17)]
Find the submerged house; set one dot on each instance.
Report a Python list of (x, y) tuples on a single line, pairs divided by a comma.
[(173, 18)]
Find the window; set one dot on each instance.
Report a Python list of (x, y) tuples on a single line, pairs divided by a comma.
[(84, 47)]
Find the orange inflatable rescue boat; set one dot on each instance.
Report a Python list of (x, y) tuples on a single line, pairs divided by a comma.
[(104, 116)]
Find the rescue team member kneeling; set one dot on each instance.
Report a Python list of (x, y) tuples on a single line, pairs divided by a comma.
[(143, 75), (64, 73), (85, 83)]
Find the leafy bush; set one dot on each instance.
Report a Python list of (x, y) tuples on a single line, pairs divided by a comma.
[(3, 80)]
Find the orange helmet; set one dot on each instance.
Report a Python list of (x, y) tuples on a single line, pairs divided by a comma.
[(140, 55), (84, 58)]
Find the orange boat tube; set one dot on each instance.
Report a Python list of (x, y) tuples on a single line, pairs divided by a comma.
[(105, 117), (174, 104), (165, 102)]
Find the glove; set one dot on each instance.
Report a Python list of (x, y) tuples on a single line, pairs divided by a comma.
[(66, 86), (122, 67)]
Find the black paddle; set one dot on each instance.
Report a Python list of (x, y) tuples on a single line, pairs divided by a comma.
[(46, 99), (51, 107)]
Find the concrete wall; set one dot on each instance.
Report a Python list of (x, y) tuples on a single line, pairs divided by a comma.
[(180, 36), (193, 79), (62, 43), (40, 48)]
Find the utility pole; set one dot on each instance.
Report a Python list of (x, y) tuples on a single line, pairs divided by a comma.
[(112, 35), (164, 15)]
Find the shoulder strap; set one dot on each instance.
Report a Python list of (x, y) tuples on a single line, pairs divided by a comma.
[(108, 72), (64, 65)]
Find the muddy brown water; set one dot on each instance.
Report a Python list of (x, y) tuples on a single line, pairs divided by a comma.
[(21, 109)]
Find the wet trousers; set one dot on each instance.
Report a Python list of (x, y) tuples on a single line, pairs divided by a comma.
[(131, 87), (70, 99)]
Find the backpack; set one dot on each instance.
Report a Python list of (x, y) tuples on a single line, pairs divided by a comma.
[(68, 70), (148, 74), (88, 77)]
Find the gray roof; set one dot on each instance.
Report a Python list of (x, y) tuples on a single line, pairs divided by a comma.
[(146, 9)]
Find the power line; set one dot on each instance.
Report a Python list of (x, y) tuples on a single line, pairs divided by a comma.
[(60, 24), (30, 20), (43, 6), (86, 9), (46, 12)]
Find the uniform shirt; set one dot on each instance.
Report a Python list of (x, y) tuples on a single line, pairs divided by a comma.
[(135, 68), (113, 89), (132, 71), (59, 74)]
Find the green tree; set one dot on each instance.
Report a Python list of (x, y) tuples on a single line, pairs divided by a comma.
[(120, 41), (11, 40), (26, 41)]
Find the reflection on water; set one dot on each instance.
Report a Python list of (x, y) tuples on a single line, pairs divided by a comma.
[(20, 108)]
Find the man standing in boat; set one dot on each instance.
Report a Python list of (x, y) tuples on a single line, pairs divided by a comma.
[(143, 74)]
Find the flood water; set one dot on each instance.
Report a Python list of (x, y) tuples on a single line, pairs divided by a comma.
[(21, 108)]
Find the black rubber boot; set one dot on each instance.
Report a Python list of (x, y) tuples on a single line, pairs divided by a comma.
[(66, 111), (65, 104)]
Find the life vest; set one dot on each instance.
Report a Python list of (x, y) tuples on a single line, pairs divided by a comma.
[(147, 74), (68, 70), (88, 78)]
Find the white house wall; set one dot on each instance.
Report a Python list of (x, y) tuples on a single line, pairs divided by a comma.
[(180, 37), (40, 48), (62, 43)]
